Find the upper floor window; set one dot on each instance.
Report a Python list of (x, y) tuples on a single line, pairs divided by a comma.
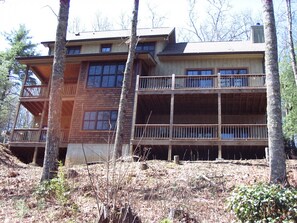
[(146, 47), (105, 48), (233, 81), (203, 82), (100, 120), (105, 75), (72, 50)]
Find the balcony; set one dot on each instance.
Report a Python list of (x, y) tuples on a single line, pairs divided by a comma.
[(202, 82), (203, 134), (35, 137), (41, 91)]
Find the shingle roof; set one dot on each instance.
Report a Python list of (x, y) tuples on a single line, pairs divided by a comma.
[(212, 47), (118, 34)]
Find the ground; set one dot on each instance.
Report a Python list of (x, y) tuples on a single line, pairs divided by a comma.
[(197, 191)]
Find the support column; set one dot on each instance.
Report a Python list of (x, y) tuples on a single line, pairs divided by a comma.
[(219, 121), (134, 114), (171, 118), (35, 156)]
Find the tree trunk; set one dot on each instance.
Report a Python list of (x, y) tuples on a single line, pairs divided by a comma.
[(277, 157), (50, 163), (291, 41), (126, 86)]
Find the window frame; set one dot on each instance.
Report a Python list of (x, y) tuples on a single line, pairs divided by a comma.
[(75, 50), (100, 75), (140, 47), (98, 121), (105, 46), (234, 82), (196, 83)]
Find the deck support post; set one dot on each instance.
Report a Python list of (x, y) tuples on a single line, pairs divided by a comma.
[(219, 121), (169, 153), (171, 117), (34, 160), (134, 114)]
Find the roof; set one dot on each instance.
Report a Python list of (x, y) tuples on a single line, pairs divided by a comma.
[(213, 47), (117, 34)]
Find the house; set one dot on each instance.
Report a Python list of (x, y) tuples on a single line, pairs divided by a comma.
[(203, 100)]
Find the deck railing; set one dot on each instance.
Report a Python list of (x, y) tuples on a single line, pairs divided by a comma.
[(41, 91), (248, 131), (201, 131), (33, 135), (174, 82), (195, 131)]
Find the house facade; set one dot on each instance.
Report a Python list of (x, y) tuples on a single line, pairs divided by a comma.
[(202, 101)]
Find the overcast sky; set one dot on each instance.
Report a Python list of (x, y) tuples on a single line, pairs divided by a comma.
[(38, 17)]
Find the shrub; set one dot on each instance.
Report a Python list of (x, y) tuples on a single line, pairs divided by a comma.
[(55, 188), (264, 203)]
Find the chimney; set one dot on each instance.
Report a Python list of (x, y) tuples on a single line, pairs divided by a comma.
[(257, 35)]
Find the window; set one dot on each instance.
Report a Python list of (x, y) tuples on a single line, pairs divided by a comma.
[(105, 75), (146, 47), (72, 50), (231, 81), (202, 82), (105, 48), (100, 120)]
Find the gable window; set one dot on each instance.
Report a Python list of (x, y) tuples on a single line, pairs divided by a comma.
[(72, 50), (105, 48), (100, 120), (237, 81), (148, 47), (203, 81), (104, 75)]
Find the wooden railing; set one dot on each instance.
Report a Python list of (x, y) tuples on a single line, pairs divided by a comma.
[(201, 131), (32, 135), (152, 131), (195, 131), (41, 91), (248, 131), (174, 82)]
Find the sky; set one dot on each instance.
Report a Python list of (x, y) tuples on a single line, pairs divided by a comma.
[(38, 16)]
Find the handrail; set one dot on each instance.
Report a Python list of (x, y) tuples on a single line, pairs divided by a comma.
[(215, 81)]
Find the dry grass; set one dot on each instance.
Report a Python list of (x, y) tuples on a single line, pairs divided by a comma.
[(198, 190)]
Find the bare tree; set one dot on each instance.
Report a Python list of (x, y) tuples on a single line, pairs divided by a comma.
[(291, 40), (101, 23), (277, 157), (220, 24), (75, 25), (126, 85), (50, 163), (124, 20), (156, 19)]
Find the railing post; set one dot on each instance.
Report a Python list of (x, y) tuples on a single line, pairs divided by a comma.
[(219, 80), (219, 124), (173, 82)]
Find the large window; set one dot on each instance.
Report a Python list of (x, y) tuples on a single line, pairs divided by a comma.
[(203, 82), (72, 50), (105, 75), (146, 47), (233, 81), (100, 120)]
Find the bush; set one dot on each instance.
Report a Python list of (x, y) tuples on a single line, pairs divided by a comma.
[(264, 203), (55, 188)]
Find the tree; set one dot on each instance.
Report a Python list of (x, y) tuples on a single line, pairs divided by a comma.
[(101, 23), (126, 86), (12, 72), (219, 23), (156, 20), (291, 41), (277, 157), (50, 163)]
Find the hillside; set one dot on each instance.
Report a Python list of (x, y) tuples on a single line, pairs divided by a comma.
[(196, 190)]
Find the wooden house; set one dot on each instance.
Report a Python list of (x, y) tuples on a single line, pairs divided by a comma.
[(203, 100)]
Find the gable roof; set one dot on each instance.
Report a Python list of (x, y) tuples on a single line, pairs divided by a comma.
[(118, 34), (212, 48)]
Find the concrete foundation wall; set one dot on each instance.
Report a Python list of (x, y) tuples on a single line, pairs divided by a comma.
[(94, 153)]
